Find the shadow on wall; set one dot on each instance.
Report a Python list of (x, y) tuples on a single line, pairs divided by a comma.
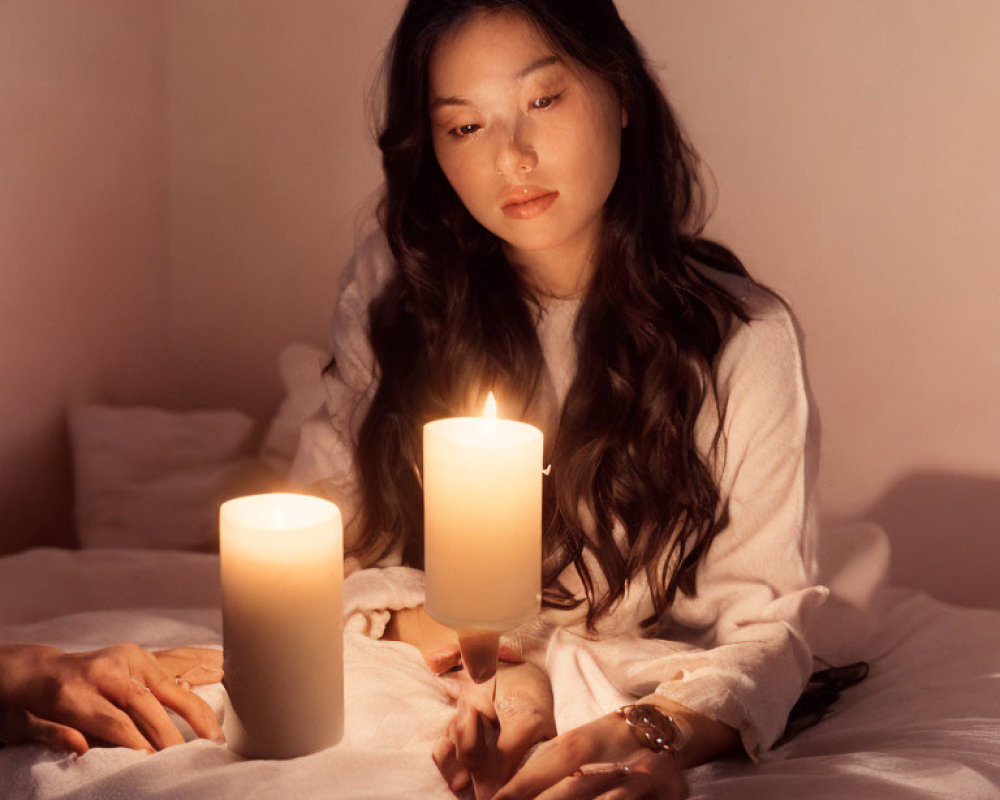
[(944, 530)]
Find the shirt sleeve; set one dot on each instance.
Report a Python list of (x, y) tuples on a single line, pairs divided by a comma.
[(748, 659)]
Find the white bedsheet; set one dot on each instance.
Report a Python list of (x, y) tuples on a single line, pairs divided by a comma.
[(925, 724)]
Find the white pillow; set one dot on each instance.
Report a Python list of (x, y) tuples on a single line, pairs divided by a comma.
[(301, 368), (153, 478)]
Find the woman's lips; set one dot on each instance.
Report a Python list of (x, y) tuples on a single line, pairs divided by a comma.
[(526, 205)]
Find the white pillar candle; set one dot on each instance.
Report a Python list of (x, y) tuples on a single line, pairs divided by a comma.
[(282, 568), (482, 521)]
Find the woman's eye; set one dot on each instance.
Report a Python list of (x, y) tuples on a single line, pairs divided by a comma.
[(544, 101), (464, 130)]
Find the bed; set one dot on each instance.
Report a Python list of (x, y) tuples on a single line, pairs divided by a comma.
[(924, 724)]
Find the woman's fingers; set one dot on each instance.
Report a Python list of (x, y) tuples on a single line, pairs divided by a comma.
[(167, 692), (459, 687), (59, 737), (443, 659), (496, 724), (146, 711), (118, 695), (437, 643), (470, 737), (513, 745), (75, 692), (131, 679), (475, 739), (664, 771), (524, 707), (653, 776), (18, 726), (456, 776), (594, 783), (194, 665), (99, 717), (198, 714), (552, 762), (608, 782)]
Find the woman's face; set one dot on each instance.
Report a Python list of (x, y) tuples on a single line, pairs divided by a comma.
[(528, 139)]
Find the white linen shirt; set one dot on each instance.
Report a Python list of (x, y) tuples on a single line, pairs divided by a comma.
[(736, 651)]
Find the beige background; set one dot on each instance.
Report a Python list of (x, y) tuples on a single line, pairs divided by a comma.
[(181, 180)]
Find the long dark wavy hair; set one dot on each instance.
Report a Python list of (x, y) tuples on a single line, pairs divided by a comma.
[(456, 319)]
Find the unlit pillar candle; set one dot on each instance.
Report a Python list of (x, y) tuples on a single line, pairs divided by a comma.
[(282, 568)]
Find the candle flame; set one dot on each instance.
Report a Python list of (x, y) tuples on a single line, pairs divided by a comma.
[(490, 407)]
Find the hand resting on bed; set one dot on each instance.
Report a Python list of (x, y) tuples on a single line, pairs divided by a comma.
[(118, 696)]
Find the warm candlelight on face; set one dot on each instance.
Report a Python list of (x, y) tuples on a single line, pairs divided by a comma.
[(482, 520), (282, 571)]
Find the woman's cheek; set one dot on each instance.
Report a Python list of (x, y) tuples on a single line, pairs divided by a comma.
[(458, 170)]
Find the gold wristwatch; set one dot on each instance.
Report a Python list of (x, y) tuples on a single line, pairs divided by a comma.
[(652, 728)]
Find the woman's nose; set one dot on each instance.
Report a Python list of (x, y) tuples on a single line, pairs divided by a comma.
[(516, 157)]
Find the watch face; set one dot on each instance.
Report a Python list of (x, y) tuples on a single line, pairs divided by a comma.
[(652, 728)]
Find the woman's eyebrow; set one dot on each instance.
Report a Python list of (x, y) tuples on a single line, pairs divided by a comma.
[(542, 62), (438, 102)]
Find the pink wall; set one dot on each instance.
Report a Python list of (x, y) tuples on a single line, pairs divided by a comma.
[(270, 160), (82, 235)]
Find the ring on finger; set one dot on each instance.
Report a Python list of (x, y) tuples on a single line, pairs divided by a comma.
[(140, 687)]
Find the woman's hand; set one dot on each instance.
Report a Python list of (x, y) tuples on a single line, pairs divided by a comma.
[(493, 729), (597, 760), (191, 666), (117, 695), (441, 647)]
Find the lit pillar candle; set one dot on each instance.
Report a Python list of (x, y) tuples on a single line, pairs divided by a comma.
[(282, 568), (482, 521)]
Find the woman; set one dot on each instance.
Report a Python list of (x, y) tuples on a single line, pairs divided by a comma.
[(541, 238)]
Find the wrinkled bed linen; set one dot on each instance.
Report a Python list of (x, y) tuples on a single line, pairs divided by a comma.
[(925, 724)]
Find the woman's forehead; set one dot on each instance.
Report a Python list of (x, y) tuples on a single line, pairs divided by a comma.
[(500, 46)]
